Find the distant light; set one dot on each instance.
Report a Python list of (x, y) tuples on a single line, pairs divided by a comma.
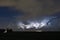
[(21, 25), (35, 25), (42, 24)]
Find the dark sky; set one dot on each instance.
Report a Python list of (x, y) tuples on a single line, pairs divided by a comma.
[(9, 12), (7, 15), (31, 8)]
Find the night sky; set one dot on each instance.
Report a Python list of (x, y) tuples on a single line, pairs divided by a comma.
[(7, 15), (11, 11)]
